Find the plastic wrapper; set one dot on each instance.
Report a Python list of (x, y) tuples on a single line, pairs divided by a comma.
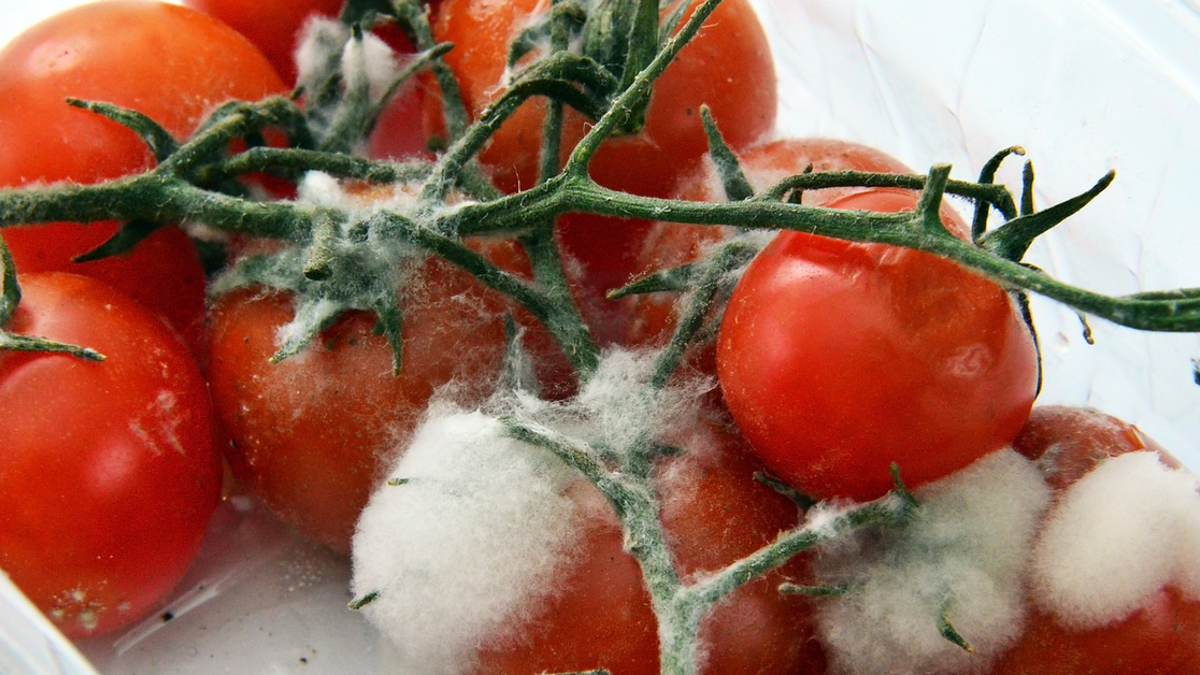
[(1085, 87)]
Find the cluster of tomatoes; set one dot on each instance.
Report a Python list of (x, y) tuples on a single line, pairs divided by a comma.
[(836, 360)]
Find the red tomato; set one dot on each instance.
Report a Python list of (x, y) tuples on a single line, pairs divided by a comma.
[(670, 245), (313, 433), (109, 474), (169, 62), (1162, 638), (728, 66), (715, 513), (838, 359)]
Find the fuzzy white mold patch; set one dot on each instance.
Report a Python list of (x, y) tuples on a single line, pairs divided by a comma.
[(321, 42), (621, 408), (369, 62), (321, 189), (962, 556), (465, 544), (1124, 531)]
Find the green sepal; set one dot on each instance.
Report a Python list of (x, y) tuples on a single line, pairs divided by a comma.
[(363, 600), (737, 186), (987, 175), (312, 316), (390, 323), (1013, 239), (10, 298), (643, 41), (364, 12), (817, 591), (948, 631), (673, 280), (160, 141), (801, 500), (123, 241), (606, 34)]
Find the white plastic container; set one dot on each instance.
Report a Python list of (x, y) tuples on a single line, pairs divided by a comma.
[(1084, 86)]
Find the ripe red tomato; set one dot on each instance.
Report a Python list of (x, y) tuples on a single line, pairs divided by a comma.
[(1163, 637), (169, 62), (728, 66), (670, 245), (313, 433), (109, 475), (715, 512), (838, 359)]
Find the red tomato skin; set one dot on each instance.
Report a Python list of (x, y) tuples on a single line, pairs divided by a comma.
[(109, 475), (313, 433), (602, 616), (1068, 442), (1162, 638), (837, 359), (166, 61), (728, 66)]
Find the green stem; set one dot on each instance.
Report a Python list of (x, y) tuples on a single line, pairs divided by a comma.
[(695, 308), (570, 333), (296, 162), (630, 101), (472, 141), (886, 511), (411, 16)]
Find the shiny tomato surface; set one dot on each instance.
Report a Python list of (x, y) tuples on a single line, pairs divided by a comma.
[(839, 359), (109, 474)]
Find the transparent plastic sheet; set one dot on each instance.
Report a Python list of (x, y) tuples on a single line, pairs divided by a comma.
[(1084, 86)]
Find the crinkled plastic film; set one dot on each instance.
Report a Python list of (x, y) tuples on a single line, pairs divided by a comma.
[(1084, 86)]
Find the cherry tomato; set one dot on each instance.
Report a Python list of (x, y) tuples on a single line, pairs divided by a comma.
[(169, 62), (312, 434), (728, 66), (1161, 638), (670, 245), (109, 475), (715, 513), (838, 359)]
